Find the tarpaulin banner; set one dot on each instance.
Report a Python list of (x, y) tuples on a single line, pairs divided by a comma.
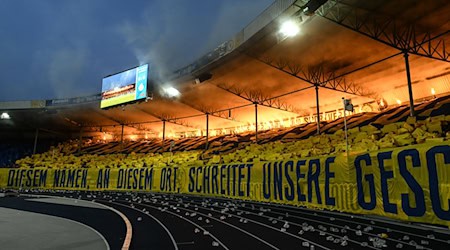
[(409, 183)]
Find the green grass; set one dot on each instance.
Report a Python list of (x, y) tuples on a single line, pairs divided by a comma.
[(117, 100)]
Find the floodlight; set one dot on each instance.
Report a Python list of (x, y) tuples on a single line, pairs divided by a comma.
[(382, 104), (171, 92), (289, 28), (5, 116)]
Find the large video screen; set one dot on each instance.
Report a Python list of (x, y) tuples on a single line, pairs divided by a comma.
[(124, 87)]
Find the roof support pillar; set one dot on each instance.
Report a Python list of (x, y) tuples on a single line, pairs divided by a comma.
[(36, 135), (408, 77), (121, 135), (207, 131), (163, 135), (80, 140), (256, 122), (317, 108)]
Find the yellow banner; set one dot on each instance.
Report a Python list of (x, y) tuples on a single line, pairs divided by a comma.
[(409, 183)]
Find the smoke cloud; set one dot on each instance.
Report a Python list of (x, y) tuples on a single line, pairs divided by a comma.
[(182, 33), (64, 48)]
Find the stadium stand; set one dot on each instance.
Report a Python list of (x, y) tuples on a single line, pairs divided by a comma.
[(10, 152), (367, 132), (297, 188)]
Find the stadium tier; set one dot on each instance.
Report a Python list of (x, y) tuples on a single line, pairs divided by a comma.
[(338, 107), (380, 175), (367, 132)]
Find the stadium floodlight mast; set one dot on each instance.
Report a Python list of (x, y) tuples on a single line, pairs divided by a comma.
[(289, 28)]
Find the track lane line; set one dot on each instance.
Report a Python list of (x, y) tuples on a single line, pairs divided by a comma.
[(296, 224), (270, 227), (303, 212), (337, 214), (129, 233), (154, 218), (228, 224), (191, 222)]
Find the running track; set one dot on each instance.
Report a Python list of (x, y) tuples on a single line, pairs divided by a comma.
[(162, 221)]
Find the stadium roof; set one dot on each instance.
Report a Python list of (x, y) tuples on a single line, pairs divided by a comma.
[(347, 48)]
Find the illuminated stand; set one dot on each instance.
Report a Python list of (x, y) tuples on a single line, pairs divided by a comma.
[(256, 121), (207, 131), (35, 140)]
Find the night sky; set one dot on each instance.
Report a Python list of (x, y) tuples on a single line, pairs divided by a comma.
[(63, 48)]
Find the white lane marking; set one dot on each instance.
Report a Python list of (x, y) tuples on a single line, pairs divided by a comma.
[(292, 209), (306, 210), (128, 235), (154, 218), (293, 223), (235, 227), (273, 228), (330, 224), (193, 223)]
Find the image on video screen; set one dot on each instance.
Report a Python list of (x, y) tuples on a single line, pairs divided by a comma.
[(124, 87)]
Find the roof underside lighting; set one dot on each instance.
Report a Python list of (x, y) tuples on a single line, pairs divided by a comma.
[(5, 116), (289, 28)]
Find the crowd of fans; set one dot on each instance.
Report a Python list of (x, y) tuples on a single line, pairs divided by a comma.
[(360, 138), (9, 153)]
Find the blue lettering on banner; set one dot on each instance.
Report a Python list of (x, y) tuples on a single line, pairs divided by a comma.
[(135, 179), (214, 181), (359, 183), (289, 190), (168, 179), (314, 177), (222, 178), (277, 181), (207, 179), (198, 188), (329, 175), (191, 184), (385, 175), (266, 180), (70, 178), (103, 178), (300, 195), (419, 209), (240, 178), (434, 181), (27, 178)]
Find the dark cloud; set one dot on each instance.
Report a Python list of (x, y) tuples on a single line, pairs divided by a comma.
[(53, 49)]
